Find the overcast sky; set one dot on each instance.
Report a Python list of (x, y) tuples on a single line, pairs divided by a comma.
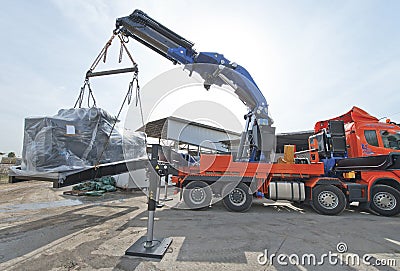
[(311, 59)]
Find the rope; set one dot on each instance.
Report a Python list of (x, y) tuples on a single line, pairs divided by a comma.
[(82, 95), (127, 98), (101, 55), (90, 95), (139, 101), (126, 49)]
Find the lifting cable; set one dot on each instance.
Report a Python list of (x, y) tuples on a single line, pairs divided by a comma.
[(82, 95), (86, 83), (128, 97)]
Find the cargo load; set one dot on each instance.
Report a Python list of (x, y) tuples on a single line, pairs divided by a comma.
[(75, 139)]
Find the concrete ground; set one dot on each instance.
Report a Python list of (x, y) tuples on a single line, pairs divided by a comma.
[(40, 229)]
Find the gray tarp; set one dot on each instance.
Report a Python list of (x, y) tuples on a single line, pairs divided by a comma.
[(74, 139)]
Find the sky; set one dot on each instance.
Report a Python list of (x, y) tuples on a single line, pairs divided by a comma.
[(311, 59)]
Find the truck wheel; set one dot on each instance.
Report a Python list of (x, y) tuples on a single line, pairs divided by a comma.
[(328, 200), (239, 199), (385, 200), (197, 195)]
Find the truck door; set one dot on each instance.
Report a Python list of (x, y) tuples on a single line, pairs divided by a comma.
[(369, 142), (379, 141)]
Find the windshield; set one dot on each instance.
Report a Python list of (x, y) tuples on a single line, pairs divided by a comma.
[(391, 140)]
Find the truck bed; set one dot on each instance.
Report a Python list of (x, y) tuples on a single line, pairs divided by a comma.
[(214, 165)]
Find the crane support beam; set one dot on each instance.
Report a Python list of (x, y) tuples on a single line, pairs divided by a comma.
[(111, 72)]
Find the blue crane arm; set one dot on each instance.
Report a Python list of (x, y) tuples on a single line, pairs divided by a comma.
[(179, 50)]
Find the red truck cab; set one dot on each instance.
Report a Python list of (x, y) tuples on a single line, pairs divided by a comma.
[(372, 159), (366, 135)]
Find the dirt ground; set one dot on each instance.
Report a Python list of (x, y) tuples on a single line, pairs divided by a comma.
[(41, 229)]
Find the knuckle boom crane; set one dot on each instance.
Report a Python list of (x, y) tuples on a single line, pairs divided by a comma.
[(351, 158), (258, 140)]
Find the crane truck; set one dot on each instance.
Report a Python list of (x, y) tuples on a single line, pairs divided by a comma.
[(351, 158)]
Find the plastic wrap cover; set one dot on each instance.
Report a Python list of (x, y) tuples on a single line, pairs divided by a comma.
[(74, 139)]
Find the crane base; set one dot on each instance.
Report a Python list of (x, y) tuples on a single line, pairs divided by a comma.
[(157, 250)]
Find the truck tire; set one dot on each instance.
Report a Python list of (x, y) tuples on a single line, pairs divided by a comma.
[(328, 200), (197, 195), (239, 199), (385, 200)]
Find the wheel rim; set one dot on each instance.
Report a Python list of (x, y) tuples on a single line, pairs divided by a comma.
[(238, 196), (328, 200), (385, 201), (197, 195)]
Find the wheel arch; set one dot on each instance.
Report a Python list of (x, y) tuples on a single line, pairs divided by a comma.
[(385, 181), (323, 181), (213, 181), (334, 182), (206, 179)]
